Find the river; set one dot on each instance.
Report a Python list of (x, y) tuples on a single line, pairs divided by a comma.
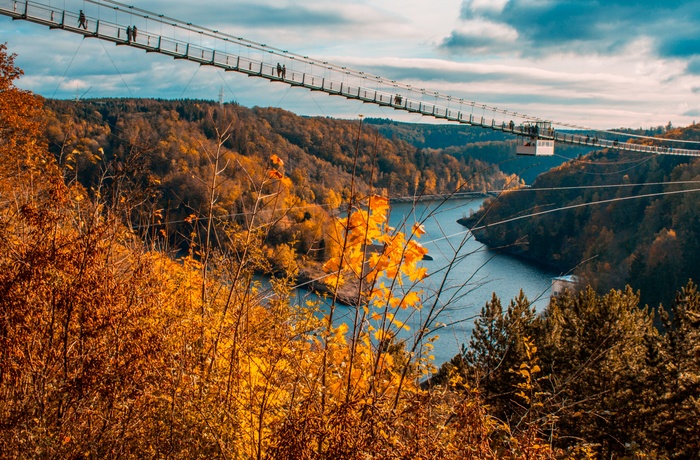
[(470, 283)]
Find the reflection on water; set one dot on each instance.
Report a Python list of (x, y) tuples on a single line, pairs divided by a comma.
[(460, 293)]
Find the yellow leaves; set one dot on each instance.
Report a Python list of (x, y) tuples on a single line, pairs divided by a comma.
[(374, 251), (410, 299), (524, 371), (275, 160), (418, 229), (274, 174), (341, 330), (414, 252), (334, 279), (379, 204), (527, 371), (522, 395), (332, 265), (418, 274), (382, 334)]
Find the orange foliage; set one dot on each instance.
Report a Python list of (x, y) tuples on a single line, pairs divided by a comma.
[(111, 349)]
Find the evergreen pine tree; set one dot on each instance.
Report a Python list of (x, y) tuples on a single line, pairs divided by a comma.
[(497, 348), (677, 418), (596, 355)]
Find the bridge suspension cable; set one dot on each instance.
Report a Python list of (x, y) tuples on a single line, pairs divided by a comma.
[(135, 27)]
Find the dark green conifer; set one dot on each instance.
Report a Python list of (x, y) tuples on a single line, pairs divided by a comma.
[(595, 351), (676, 426), (496, 349)]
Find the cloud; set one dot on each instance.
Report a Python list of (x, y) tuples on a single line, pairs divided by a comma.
[(481, 36), (612, 64), (590, 27), (483, 6), (256, 14), (505, 73), (693, 67)]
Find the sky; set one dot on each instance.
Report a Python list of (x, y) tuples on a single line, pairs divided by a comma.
[(601, 64)]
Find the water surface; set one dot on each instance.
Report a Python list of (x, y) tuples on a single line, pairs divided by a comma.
[(476, 273)]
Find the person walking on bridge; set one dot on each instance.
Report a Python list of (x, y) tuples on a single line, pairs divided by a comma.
[(82, 22)]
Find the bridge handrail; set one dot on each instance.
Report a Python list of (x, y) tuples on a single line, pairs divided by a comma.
[(179, 49)]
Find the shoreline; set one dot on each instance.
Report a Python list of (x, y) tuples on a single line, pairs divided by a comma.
[(441, 196), (511, 251), (311, 276)]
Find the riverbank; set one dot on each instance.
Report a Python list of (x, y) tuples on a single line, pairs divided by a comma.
[(311, 277), (515, 250), (470, 282), (441, 197)]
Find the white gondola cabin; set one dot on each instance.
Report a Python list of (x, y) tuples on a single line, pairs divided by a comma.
[(530, 142)]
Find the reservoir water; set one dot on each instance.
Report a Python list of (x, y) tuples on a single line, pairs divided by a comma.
[(476, 273)]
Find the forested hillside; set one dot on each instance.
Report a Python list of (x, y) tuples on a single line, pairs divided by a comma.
[(472, 143), (167, 152), (647, 236), (113, 345)]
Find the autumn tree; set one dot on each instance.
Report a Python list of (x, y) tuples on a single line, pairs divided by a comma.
[(496, 350), (111, 346), (674, 413), (594, 349), (22, 158)]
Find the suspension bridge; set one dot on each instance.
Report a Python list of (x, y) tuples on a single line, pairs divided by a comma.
[(156, 33)]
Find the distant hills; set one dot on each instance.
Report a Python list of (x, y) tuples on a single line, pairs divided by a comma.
[(164, 152), (645, 232), (464, 142)]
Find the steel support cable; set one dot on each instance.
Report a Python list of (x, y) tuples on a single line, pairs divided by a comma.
[(188, 83), (60, 82), (235, 98), (564, 208), (584, 187), (621, 134), (326, 65), (636, 164), (348, 71), (304, 59), (117, 69)]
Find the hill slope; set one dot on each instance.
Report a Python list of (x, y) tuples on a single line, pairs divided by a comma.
[(647, 236), (470, 142)]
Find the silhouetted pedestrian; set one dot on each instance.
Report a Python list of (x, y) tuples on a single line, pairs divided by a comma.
[(133, 33), (279, 70), (284, 71), (82, 22), (128, 33)]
